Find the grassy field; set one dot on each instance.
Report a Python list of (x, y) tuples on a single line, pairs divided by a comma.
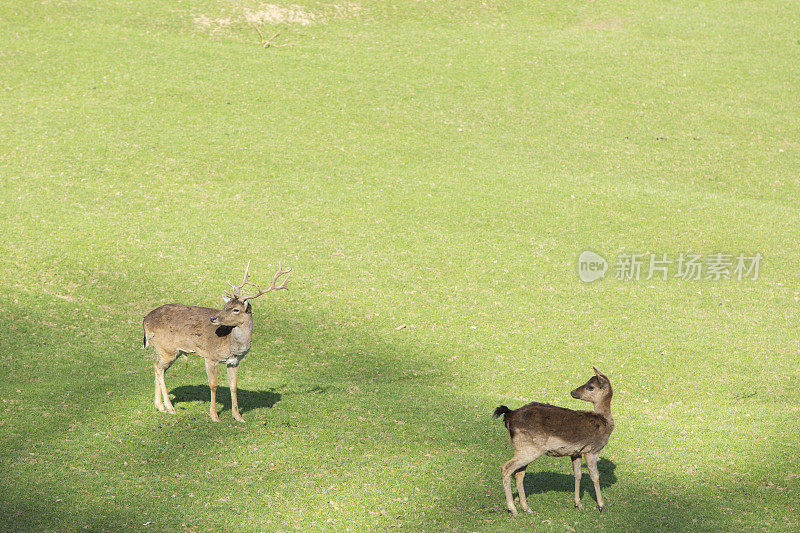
[(432, 170)]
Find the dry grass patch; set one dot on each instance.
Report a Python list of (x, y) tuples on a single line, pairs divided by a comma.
[(274, 14)]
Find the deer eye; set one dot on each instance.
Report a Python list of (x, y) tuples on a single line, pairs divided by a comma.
[(590, 387), (236, 310)]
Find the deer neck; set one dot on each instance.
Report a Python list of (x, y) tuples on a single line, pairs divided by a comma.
[(603, 408), (242, 338)]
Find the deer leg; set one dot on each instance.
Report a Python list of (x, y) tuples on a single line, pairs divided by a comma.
[(576, 470), (158, 400), (211, 370), (523, 500), (162, 364), (591, 464), (519, 461), (505, 471), (232, 381)]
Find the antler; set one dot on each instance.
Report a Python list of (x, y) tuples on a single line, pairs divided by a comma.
[(236, 288), (272, 286)]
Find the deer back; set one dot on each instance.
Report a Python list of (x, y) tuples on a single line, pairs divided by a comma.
[(561, 431), (210, 333)]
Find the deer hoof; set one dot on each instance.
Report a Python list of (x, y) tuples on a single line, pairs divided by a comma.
[(528, 510), (601, 508), (579, 505), (513, 511)]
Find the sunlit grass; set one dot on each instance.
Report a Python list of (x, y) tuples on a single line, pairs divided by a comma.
[(432, 170)]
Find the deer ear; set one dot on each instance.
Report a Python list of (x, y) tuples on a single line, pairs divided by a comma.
[(225, 299), (247, 307), (599, 374)]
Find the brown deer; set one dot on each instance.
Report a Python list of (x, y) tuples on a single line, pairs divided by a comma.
[(217, 335), (540, 428)]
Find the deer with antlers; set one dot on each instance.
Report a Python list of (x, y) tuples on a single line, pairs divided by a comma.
[(217, 335)]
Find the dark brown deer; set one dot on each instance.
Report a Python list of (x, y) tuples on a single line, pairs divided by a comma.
[(217, 335), (540, 428)]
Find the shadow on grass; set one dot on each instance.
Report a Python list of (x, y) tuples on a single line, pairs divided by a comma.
[(248, 399), (540, 482), (369, 361)]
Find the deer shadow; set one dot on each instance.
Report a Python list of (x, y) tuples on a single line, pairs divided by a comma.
[(540, 482), (248, 399)]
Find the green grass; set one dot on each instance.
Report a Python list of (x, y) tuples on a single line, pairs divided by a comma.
[(438, 165)]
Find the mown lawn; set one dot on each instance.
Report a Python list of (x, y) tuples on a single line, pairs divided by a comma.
[(432, 170)]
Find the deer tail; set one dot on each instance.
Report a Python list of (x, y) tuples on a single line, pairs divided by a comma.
[(500, 411), (145, 339)]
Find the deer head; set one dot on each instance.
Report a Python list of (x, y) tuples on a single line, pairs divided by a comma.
[(595, 390), (235, 313)]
